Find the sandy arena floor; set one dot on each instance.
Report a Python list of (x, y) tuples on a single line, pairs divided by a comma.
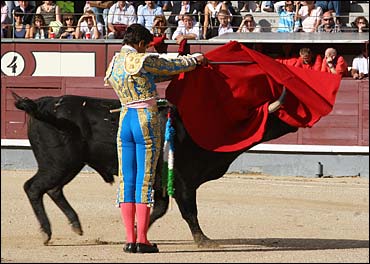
[(253, 218)]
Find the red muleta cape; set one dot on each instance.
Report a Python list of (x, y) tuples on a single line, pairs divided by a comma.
[(224, 107)]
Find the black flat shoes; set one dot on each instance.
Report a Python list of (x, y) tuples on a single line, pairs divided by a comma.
[(144, 248), (130, 248)]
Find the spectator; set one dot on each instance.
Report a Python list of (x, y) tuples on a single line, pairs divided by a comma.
[(327, 24), (159, 31), (100, 9), (166, 5), (5, 20), (160, 26), (120, 16), (361, 24), (360, 65), (50, 11), (28, 10), (333, 63), (179, 9), (20, 30), (337, 6), (249, 25), (38, 28), (287, 56), (306, 61), (224, 20), (309, 15), (88, 27), (147, 13), (235, 19), (286, 16), (189, 29), (329, 6), (211, 24), (10, 7), (68, 30)]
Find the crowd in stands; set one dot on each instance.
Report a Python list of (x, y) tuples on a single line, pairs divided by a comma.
[(115, 16), (194, 20)]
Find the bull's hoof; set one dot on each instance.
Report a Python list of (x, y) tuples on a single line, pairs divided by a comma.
[(45, 237), (208, 244), (76, 227), (203, 241)]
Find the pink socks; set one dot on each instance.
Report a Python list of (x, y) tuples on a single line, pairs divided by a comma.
[(143, 214), (128, 217)]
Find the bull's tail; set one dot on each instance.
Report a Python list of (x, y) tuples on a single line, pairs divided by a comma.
[(25, 104)]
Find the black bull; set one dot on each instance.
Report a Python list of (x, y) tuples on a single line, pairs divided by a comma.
[(68, 132)]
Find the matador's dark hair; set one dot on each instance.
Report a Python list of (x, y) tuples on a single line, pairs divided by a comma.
[(136, 33)]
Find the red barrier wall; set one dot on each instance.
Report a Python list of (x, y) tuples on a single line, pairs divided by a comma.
[(346, 125)]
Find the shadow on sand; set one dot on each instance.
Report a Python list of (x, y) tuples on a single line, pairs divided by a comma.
[(246, 244)]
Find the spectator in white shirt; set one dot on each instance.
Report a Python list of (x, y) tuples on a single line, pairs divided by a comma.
[(146, 14), (120, 16), (249, 24), (224, 20), (309, 14), (88, 27), (188, 29), (360, 65)]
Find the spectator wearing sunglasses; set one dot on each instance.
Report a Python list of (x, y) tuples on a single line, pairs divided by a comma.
[(327, 24), (361, 24), (68, 30)]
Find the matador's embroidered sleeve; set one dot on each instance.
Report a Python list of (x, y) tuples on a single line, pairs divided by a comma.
[(163, 69)]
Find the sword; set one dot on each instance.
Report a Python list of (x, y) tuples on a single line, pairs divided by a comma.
[(231, 62)]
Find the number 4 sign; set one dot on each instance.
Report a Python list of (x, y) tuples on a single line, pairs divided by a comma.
[(12, 64)]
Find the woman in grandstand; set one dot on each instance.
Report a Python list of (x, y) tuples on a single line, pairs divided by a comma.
[(309, 15), (38, 29), (211, 23), (159, 31), (50, 11), (19, 30), (68, 30), (133, 73), (361, 24)]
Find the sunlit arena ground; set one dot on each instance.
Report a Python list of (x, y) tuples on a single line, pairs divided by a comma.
[(254, 218)]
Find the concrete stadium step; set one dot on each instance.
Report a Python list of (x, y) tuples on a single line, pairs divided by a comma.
[(359, 7)]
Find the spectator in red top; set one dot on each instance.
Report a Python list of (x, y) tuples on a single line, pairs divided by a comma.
[(334, 63), (306, 61), (287, 55)]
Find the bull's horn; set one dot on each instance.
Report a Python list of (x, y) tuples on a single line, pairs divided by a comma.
[(277, 104)]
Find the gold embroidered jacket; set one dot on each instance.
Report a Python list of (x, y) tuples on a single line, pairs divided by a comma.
[(133, 75)]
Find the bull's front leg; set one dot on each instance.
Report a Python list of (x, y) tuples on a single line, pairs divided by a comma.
[(186, 201)]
